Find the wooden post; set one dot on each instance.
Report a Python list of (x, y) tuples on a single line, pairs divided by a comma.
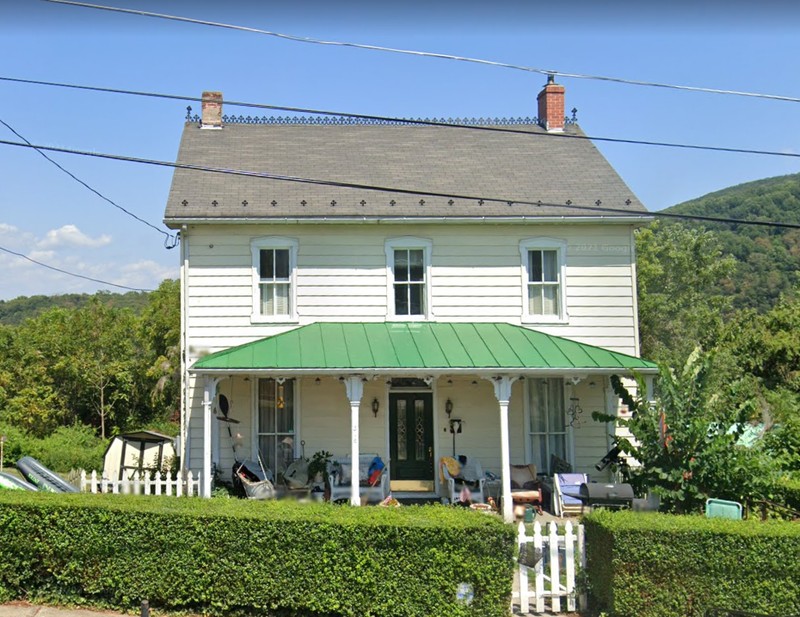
[(502, 391), (538, 544), (524, 606), (569, 542), (354, 386), (555, 581)]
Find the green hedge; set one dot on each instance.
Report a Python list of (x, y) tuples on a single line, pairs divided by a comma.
[(658, 565), (223, 556)]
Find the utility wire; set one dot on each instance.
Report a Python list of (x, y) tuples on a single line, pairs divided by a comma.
[(474, 127), (170, 241), (80, 276), (594, 209), (528, 69)]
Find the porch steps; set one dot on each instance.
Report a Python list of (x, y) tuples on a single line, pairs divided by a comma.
[(408, 498)]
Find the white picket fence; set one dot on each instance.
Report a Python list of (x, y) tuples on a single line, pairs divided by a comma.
[(94, 483), (561, 553)]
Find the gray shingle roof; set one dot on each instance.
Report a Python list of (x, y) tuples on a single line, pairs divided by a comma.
[(454, 161)]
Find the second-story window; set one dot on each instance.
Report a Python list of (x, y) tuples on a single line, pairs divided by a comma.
[(274, 284), (409, 282), (408, 261), (543, 282), (274, 292)]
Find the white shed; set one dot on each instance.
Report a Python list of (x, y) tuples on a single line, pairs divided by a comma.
[(137, 451)]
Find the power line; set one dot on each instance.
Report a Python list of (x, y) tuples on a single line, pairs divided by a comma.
[(323, 112), (80, 276), (170, 241), (528, 69), (594, 209)]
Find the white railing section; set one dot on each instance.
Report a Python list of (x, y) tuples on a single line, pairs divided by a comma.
[(142, 485), (554, 573)]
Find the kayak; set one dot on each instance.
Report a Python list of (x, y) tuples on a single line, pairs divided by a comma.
[(12, 483), (41, 477)]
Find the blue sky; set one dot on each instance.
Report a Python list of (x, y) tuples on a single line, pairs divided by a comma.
[(749, 46)]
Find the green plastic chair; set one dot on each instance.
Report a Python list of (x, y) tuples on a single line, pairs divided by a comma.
[(721, 508)]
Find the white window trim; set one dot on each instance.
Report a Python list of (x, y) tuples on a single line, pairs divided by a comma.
[(408, 242), (543, 243), (527, 413), (274, 242)]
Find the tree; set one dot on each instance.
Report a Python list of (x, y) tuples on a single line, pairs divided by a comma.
[(680, 303), (160, 336), (685, 441)]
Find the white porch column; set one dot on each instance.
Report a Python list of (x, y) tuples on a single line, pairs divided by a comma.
[(502, 391), (355, 390), (209, 392)]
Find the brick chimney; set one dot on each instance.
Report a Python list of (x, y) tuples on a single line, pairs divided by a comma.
[(212, 110), (551, 106)]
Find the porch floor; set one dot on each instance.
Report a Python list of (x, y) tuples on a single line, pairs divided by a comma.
[(409, 498)]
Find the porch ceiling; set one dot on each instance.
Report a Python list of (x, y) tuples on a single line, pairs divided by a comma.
[(377, 347)]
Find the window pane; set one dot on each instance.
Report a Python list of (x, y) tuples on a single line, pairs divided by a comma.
[(401, 299), (535, 266), (281, 294), (267, 450), (550, 267), (535, 299), (267, 299), (416, 307), (549, 301), (558, 446), (266, 405), (267, 266), (401, 265), (419, 429), (285, 404), (282, 264), (555, 408), (538, 394), (416, 263), (402, 430)]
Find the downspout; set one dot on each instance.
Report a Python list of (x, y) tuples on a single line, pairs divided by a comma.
[(184, 446)]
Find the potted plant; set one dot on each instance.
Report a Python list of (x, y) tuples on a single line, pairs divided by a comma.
[(318, 467)]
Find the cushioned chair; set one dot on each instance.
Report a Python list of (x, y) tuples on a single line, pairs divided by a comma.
[(525, 488)]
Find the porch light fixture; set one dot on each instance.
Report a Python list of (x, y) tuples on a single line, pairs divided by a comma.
[(375, 406), (448, 407)]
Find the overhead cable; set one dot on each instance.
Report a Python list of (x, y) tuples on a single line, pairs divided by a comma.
[(80, 276), (528, 69), (586, 209), (170, 240), (342, 114)]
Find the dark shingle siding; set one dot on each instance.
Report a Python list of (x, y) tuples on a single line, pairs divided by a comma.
[(536, 167)]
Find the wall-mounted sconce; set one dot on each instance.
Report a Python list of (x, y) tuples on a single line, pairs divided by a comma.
[(448, 407), (375, 407)]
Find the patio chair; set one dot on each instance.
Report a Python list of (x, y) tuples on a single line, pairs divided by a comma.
[(469, 476), (525, 487), (566, 493)]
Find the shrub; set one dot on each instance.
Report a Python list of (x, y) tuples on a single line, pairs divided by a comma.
[(222, 556), (67, 448), (658, 565)]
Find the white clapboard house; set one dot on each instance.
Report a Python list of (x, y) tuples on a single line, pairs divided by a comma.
[(362, 286)]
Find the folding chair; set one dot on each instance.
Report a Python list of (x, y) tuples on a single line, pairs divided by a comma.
[(566, 493)]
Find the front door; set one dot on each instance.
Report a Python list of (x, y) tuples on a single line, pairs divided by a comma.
[(411, 440)]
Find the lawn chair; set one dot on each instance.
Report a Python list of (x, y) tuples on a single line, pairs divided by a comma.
[(469, 476), (566, 493)]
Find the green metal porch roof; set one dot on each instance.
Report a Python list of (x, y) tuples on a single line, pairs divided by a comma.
[(413, 346)]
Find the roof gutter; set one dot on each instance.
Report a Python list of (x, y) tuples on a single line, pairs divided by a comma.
[(375, 372), (375, 220)]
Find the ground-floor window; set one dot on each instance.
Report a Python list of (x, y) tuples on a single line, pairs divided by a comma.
[(276, 423), (547, 428)]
